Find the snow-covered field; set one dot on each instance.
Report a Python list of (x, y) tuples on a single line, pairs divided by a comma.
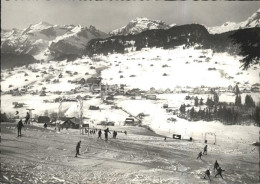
[(44, 156), (182, 67)]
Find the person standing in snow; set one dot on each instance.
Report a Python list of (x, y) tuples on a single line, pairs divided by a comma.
[(205, 150), (77, 148), (27, 118), (106, 134), (19, 127), (114, 134), (45, 125), (99, 134), (207, 173), (216, 165), (219, 172), (199, 155)]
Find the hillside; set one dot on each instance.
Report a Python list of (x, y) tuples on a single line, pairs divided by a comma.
[(16, 60), (187, 35)]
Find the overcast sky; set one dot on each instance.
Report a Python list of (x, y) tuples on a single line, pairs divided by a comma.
[(110, 15)]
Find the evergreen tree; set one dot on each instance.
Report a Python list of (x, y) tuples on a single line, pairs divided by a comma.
[(238, 100), (196, 101), (237, 91), (192, 112), (209, 102), (201, 101), (4, 117), (183, 108), (248, 40), (257, 116), (216, 99), (249, 102)]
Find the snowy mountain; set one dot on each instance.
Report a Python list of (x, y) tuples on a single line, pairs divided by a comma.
[(252, 21), (39, 39), (74, 41), (139, 25)]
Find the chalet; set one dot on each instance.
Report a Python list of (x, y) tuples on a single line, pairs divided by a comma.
[(94, 80), (42, 93), (130, 93), (23, 90), (151, 97), (129, 121), (256, 84), (70, 123), (165, 106), (152, 90), (92, 107), (110, 97), (255, 89), (167, 90), (230, 88), (56, 81), (82, 81), (15, 93), (43, 119), (160, 91)]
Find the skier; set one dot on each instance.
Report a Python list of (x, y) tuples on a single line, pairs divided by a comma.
[(125, 132), (106, 134), (207, 173), (216, 165), (19, 127), (77, 148), (205, 150), (164, 138), (219, 172), (99, 134), (45, 125), (199, 155), (114, 134), (27, 118)]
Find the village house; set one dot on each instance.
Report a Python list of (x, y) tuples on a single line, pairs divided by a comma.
[(70, 123), (43, 119), (255, 89)]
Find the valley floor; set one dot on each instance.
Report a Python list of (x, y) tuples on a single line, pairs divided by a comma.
[(141, 156)]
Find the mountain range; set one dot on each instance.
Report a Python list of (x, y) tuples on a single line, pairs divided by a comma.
[(45, 41)]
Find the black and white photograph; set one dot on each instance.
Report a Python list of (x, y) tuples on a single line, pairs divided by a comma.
[(130, 92)]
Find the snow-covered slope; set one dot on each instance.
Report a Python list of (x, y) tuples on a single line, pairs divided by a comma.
[(163, 69), (139, 25), (75, 40), (252, 21), (37, 38)]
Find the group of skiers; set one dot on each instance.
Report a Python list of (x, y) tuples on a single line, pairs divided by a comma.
[(106, 131), (216, 165), (217, 168), (205, 151)]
